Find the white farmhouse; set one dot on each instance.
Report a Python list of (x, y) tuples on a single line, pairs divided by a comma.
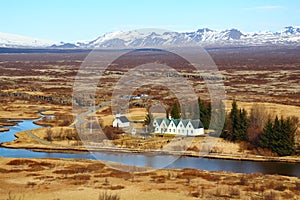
[(121, 121), (185, 127)]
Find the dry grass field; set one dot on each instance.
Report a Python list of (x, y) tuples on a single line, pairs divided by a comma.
[(250, 74), (77, 179), (272, 108)]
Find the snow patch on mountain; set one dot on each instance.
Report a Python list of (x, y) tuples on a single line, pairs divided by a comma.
[(18, 41), (206, 37)]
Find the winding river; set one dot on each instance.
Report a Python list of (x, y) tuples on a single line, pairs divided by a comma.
[(289, 169)]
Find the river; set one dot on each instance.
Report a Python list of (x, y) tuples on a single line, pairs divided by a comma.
[(289, 169)]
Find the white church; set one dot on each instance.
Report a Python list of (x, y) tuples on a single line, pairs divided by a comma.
[(184, 127), (121, 121)]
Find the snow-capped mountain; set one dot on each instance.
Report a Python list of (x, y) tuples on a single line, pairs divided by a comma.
[(152, 38), (205, 37), (19, 41), (138, 39), (290, 30)]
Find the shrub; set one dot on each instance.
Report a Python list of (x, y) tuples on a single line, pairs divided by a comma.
[(112, 133), (116, 187), (49, 136), (234, 191), (106, 182), (82, 177), (243, 180), (31, 184), (270, 196), (195, 194), (297, 186), (106, 196), (13, 197), (194, 148), (280, 187), (66, 120), (21, 162)]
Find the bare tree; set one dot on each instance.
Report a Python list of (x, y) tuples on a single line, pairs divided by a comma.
[(258, 116), (257, 120), (49, 133)]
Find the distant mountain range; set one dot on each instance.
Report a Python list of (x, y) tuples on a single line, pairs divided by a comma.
[(288, 36)]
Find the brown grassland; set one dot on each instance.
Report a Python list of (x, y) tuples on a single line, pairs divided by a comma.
[(34, 83), (78, 179)]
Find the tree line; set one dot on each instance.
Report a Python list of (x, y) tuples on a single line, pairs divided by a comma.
[(258, 127), (200, 110)]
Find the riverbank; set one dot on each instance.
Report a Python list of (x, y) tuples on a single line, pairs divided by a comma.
[(86, 179), (34, 140), (57, 149), (4, 129), (12, 112)]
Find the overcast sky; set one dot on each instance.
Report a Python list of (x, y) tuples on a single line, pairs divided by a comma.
[(70, 20)]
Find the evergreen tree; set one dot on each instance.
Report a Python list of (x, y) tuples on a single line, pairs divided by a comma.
[(167, 114), (190, 111), (291, 129), (279, 136), (267, 136), (238, 123), (219, 119), (195, 111), (205, 112), (243, 126), (175, 114), (183, 113), (234, 121), (287, 137)]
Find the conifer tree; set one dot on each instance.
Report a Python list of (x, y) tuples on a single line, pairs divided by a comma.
[(267, 136), (238, 123), (279, 136), (243, 126), (175, 114), (234, 121), (183, 113), (219, 119), (287, 137), (205, 112), (191, 112)]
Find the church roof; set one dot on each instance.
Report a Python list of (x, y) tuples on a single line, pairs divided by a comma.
[(196, 123), (159, 120), (123, 119)]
